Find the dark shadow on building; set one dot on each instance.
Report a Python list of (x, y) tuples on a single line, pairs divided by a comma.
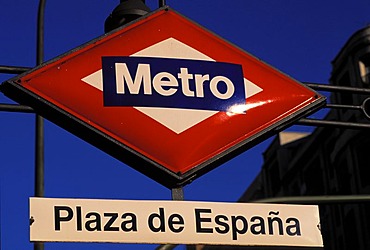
[(329, 161)]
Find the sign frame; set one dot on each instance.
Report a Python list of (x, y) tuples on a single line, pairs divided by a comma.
[(147, 166)]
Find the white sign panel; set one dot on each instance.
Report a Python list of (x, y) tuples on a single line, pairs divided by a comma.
[(173, 222)]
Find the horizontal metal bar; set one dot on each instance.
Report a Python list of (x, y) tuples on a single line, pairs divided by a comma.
[(13, 69), (321, 199), (16, 108), (332, 88), (335, 124), (342, 106)]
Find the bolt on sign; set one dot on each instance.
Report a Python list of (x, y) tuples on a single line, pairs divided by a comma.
[(174, 222), (165, 96)]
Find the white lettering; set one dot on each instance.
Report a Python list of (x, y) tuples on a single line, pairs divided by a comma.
[(199, 84), (166, 84), (160, 81), (142, 74), (185, 77), (229, 84)]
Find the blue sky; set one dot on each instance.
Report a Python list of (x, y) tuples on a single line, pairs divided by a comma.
[(300, 38)]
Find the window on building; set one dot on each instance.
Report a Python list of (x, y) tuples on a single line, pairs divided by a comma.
[(351, 234), (363, 159), (314, 179), (364, 65), (274, 178), (345, 98), (344, 176)]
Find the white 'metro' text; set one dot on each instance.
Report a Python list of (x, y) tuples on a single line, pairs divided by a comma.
[(167, 84)]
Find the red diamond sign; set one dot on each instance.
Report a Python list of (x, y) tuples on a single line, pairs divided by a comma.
[(165, 96)]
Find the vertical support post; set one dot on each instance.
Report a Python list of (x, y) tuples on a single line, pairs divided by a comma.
[(39, 133), (177, 194), (162, 3), (39, 157)]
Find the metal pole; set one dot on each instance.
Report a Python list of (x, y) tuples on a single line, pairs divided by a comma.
[(162, 3), (333, 124), (13, 69), (40, 33), (177, 195), (39, 140), (15, 108), (334, 88), (316, 200), (342, 106)]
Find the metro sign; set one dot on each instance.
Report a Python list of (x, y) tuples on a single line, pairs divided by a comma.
[(165, 96)]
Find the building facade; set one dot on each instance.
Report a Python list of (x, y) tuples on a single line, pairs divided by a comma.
[(330, 160)]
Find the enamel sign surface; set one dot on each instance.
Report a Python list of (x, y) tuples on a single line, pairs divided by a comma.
[(174, 222), (165, 96)]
